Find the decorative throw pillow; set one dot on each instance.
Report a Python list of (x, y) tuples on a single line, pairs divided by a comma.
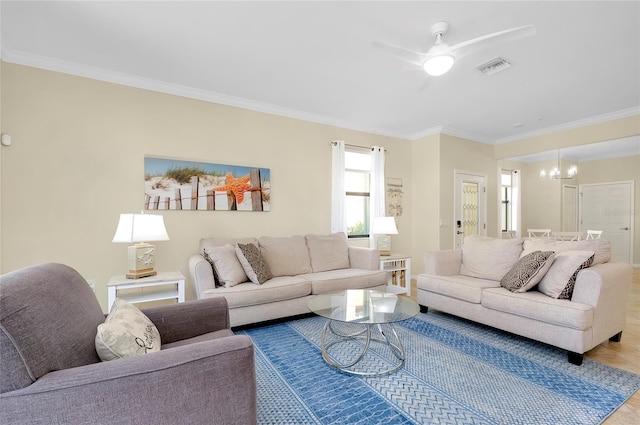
[(254, 266), (226, 265), (216, 279), (489, 258), (561, 277), (528, 271), (126, 332)]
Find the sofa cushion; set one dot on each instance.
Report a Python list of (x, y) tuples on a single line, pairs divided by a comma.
[(276, 289), (601, 247), (285, 256), (210, 242), (328, 252), (537, 306), (561, 277), (460, 287), (528, 271), (126, 332), (254, 265), (489, 258), (227, 267), (340, 280)]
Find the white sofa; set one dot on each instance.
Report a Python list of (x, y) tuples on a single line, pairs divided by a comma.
[(467, 283), (301, 267)]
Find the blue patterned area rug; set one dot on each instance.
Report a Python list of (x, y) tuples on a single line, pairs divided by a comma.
[(457, 372)]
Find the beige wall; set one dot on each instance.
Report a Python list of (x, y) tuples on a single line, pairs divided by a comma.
[(609, 130), (425, 165), (76, 163), (542, 199), (465, 156)]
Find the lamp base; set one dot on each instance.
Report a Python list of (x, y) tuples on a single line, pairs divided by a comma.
[(137, 274), (383, 244), (141, 261)]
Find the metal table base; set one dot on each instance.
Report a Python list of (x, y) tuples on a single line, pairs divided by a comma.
[(365, 334)]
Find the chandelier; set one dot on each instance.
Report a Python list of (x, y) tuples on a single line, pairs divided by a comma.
[(556, 172)]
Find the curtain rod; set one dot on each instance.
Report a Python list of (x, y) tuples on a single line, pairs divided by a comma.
[(356, 146)]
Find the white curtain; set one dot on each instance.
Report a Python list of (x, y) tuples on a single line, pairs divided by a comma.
[(377, 195), (516, 206), (338, 216)]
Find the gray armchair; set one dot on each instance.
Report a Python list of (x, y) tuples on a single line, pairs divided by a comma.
[(50, 372)]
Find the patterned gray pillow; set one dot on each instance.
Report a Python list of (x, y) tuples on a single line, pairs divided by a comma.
[(528, 271), (254, 265), (567, 292)]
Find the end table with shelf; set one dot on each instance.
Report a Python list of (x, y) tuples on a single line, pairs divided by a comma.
[(174, 283), (398, 268)]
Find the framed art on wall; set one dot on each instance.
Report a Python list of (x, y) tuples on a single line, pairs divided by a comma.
[(171, 184)]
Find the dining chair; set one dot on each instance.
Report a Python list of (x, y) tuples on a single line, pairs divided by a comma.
[(594, 234), (566, 236), (539, 233)]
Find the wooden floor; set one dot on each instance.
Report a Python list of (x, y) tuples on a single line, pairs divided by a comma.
[(623, 355)]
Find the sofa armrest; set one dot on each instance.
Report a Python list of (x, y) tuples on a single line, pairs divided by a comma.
[(201, 273), (180, 321), (201, 383), (606, 288), (443, 263), (364, 258)]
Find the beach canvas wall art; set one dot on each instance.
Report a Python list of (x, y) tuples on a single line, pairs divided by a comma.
[(171, 184)]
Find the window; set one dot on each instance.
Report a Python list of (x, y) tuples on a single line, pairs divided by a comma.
[(507, 200), (357, 186)]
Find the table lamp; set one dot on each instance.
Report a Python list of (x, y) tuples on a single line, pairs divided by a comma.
[(141, 229), (382, 227)]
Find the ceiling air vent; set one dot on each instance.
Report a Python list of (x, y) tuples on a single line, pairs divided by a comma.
[(494, 66)]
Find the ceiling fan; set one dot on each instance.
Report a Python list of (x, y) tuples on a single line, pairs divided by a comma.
[(440, 57)]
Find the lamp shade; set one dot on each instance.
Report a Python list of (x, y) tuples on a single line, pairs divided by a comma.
[(384, 226), (140, 228)]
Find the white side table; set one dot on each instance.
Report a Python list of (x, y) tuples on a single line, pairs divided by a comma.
[(398, 268), (173, 281)]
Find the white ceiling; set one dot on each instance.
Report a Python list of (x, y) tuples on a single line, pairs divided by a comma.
[(315, 60)]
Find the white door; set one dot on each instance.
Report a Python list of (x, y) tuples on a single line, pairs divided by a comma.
[(609, 207), (470, 202), (569, 208)]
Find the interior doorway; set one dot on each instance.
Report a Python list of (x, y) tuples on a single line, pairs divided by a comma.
[(469, 206), (569, 208), (609, 207)]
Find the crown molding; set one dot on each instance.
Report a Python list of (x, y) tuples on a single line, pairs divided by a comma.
[(625, 113), (425, 133)]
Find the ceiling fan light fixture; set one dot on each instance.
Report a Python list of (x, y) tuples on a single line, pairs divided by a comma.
[(438, 65)]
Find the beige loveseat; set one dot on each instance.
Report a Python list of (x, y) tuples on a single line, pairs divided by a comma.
[(298, 267), (472, 283)]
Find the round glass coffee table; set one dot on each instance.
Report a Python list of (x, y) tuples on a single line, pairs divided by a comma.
[(375, 312)]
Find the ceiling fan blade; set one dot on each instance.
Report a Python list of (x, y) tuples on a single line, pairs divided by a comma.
[(410, 56), (495, 38)]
